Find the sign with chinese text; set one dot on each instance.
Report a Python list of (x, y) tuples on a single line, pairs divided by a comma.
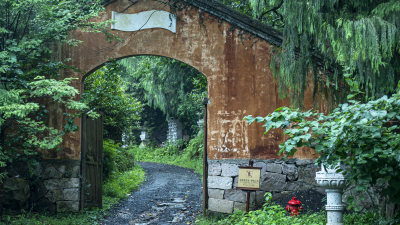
[(249, 178)]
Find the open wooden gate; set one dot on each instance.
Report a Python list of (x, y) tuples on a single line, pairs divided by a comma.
[(91, 166)]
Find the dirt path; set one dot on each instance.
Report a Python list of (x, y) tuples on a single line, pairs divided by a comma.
[(170, 195)]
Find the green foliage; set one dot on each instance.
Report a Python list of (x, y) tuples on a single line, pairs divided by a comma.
[(114, 189), (364, 137), (116, 159), (105, 93), (121, 184), (22, 120), (329, 36), (194, 149), (275, 214), (173, 155), (110, 152), (168, 85), (30, 73)]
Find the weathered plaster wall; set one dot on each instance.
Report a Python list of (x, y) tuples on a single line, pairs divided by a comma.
[(235, 63)]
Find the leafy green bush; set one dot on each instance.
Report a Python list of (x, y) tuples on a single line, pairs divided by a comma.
[(195, 147), (110, 152), (125, 160), (275, 214), (116, 158), (170, 154), (364, 137)]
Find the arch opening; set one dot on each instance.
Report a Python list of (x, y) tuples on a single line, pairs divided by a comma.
[(151, 106)]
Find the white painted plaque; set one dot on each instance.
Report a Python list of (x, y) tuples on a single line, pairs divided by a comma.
[(144, 20)]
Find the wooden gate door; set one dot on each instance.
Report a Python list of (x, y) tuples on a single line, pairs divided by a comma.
[(91, 164)]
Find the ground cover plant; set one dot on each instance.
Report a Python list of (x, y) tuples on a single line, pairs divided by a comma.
[(174, 154), (273, 214)]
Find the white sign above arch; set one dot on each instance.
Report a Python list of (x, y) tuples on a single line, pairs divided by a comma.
[(144, 20)]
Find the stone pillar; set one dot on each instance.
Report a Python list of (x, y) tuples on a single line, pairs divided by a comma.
[(143, 139), (333, 182), (174, 130)]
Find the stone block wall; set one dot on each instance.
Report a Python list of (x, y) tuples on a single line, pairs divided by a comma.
[(284, 179), (53, 187)]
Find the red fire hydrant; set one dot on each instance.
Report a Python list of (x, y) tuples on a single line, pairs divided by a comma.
[(294, 206)]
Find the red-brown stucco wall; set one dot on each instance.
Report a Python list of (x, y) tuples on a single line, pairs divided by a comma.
[(235, 63)]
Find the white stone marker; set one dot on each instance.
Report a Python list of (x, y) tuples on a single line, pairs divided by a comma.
[(144, 20), (333, 182)]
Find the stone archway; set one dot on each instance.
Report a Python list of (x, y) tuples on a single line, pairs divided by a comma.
[(232, 51)]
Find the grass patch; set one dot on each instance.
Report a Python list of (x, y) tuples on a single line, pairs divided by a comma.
[(121, 184), (162, 155), (117, 187), (190, 157)]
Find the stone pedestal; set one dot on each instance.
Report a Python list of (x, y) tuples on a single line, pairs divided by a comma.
[(333, 182)]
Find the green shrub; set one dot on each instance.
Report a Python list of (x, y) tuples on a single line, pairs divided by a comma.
[(275, 214), (110, 152), (171, 154), (195, 147), (125, 160), (116, 158), (120, 184)]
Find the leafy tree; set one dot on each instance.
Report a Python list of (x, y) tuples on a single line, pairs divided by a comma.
[(364, 137), (359, 37), (349, 47), (168, 85), (105, 93), (265, 11), (30, 74)]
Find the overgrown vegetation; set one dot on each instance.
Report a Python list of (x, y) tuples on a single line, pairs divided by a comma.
[(363, 137), (275, 214), (324, 38), (116, 159), (105, 93), (117, 187), (31, 78), (169, 89), (123, 177), (175, 154)]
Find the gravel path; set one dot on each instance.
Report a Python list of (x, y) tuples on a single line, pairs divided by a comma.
[(170, 195)]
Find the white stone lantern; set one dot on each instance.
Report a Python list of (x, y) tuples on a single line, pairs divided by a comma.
[(143, 136), (333, 182)]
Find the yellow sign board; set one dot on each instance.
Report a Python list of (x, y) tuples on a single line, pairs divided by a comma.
[(249, 178)]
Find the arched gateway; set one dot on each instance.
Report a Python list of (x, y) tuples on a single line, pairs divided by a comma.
[(234, 53)]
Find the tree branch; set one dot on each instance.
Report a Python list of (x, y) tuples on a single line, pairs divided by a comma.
[(273, 9)]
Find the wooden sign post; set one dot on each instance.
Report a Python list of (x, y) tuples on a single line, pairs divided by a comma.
[(249, 180)]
